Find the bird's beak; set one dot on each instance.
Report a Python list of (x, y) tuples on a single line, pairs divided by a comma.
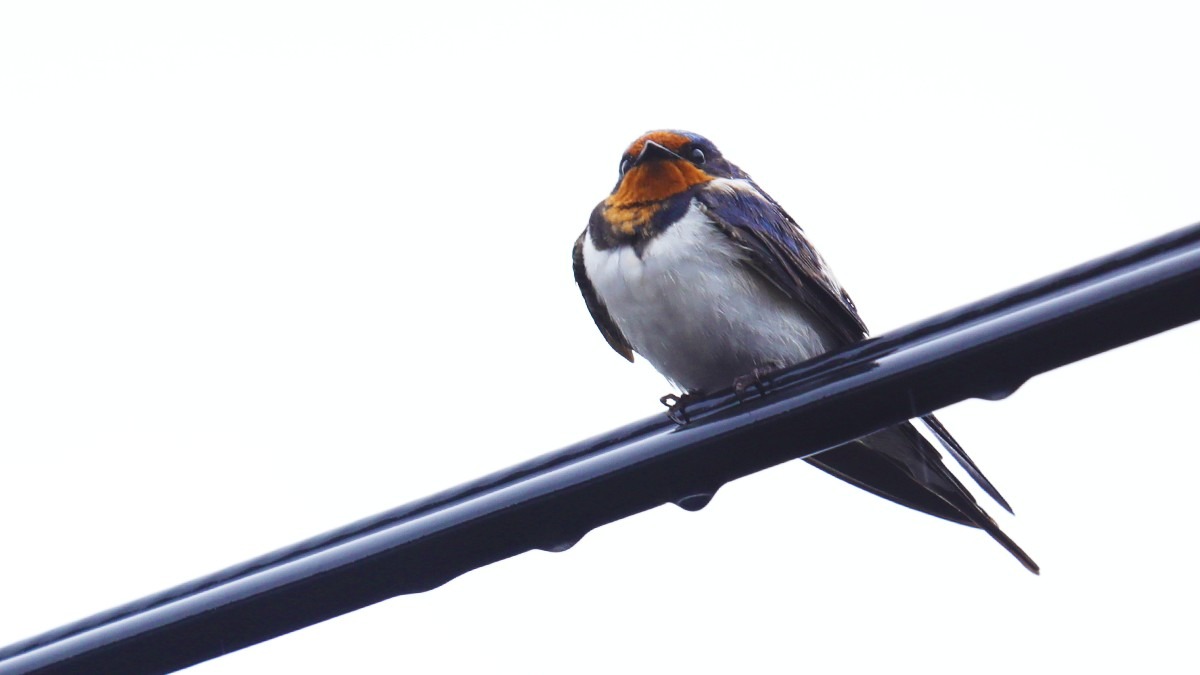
[(652, 151)]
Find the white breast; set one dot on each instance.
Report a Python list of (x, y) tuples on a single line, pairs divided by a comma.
[(692, 308)]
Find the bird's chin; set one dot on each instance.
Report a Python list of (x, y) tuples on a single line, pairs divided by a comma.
[(656, 181)]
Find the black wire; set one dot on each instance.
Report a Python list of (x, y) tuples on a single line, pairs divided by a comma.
[(986, 349)]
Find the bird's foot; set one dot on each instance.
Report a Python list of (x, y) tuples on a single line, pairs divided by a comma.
[(757, 378), (677, 407)]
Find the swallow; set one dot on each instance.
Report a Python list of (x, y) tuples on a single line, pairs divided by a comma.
[(691, 265)]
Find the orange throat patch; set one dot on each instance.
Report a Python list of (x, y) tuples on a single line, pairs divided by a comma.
[(645, 188)]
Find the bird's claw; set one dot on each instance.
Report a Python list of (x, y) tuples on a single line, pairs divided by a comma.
[(756, 378), (676, 407)]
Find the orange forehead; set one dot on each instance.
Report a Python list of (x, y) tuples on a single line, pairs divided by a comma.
[(668, 139)]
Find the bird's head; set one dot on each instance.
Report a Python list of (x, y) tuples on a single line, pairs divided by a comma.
[(657, 167), (662, 164)]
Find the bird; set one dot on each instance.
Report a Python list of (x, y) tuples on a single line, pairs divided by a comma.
[(689, 264)]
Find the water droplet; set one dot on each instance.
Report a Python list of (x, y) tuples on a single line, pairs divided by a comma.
[(1000, 390), (694, 502), (561, 543)]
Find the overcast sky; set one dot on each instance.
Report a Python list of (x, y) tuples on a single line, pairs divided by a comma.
[(268, 268)]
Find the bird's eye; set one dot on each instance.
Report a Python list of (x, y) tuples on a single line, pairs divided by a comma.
[(698, 155), (624, 165)]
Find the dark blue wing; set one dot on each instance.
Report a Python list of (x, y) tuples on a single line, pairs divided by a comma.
[(608, 328), (777, 249), (894, 463)]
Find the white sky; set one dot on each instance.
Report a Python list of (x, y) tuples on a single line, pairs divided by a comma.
[(269, 268)]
